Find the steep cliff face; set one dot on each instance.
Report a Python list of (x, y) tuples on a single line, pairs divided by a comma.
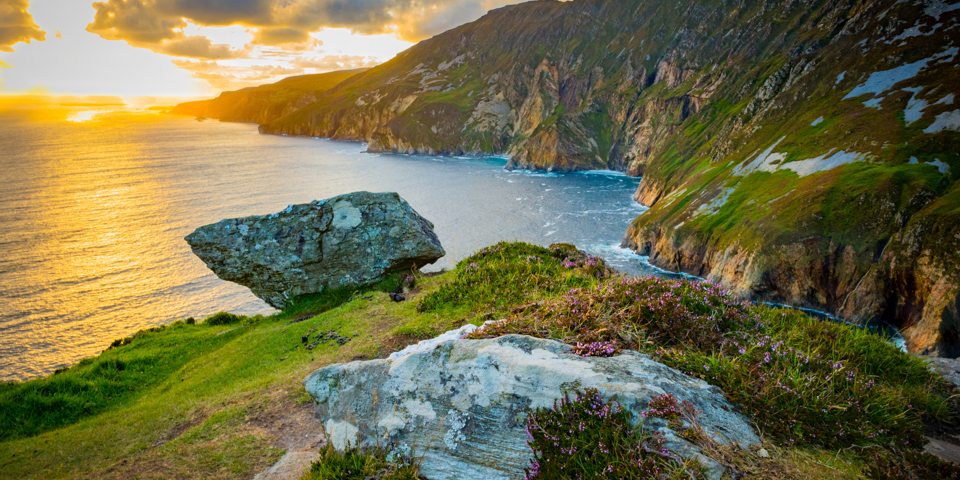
[(555, 85), (265, 103), (805, 152), (830, 180)]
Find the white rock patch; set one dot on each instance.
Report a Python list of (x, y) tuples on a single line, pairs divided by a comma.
[(341, 433), (823, 162), (915, 106), (345, 215), (943, 167), (945, 121), (768, 161)]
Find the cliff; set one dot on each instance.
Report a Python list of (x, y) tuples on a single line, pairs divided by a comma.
[(797, 152), (265, 103)]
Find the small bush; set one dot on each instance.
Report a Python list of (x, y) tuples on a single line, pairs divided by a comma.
[(630, 312), (360, 464), (510, 274), (910, 466), (222, 318), (589, 438)]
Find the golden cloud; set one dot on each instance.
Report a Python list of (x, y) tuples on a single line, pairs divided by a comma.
[(335, 62), (280, 30), (148, 22), (139, 23), (17, 25), (231, 77)]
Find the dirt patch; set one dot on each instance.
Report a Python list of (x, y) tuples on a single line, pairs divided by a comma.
[(288, 423), (197, 419), (395, 343)]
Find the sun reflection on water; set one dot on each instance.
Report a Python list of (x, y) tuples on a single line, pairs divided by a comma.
[(85, 115), (93, 215)]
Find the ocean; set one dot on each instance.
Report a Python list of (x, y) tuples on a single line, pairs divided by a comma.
[(95, 202)]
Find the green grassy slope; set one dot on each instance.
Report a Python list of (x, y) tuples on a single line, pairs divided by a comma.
[(265, 103), (221, 397)]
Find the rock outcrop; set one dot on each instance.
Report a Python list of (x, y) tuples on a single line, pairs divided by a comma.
[(351, 239), (462, 406)]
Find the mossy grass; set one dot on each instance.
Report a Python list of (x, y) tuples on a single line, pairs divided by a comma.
[(507, 275)]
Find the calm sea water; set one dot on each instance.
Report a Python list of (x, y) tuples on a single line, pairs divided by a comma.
[(94, 205)]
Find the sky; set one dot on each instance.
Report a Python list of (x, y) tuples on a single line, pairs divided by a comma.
[(191, 48)]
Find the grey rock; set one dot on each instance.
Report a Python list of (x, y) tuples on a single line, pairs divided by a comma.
[(351, 239), (462, 406), (291, 466)]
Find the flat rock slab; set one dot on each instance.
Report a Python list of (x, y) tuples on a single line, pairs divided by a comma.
[(291, 466), (352, 239), (463, 405)]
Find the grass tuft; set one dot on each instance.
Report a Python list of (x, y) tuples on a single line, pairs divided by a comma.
[(355, 463)]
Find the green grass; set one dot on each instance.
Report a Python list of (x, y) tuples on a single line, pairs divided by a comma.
[(189, 393), (117, 377), (191, 410), (508, 274)]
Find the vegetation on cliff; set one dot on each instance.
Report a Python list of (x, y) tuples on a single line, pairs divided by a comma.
[(799, 152), (209, 399), (265, 103)]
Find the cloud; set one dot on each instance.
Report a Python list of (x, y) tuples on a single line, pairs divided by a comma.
[(197, 47), (17, 25), (281, 31), (283, 21), (281, 36), (232, 77), (139, 23), (335, 62)]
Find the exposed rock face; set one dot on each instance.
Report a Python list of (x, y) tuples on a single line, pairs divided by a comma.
[(463, 405), (351, 239)]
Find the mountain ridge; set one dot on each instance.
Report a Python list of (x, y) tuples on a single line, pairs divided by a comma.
[(265, 103), (797, 152)]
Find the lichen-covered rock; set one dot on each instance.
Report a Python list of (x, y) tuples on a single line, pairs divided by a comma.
[(351, 239), (462, 407)]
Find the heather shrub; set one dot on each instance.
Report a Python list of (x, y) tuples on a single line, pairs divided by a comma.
[(633, 313), (910, 466), (222, 318), (801, 379), (587, 437)]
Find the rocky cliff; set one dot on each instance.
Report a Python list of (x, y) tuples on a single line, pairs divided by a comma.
[(265, 103), (805, 152)]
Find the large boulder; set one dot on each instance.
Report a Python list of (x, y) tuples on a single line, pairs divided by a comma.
[(351, 239), (462, 406)]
